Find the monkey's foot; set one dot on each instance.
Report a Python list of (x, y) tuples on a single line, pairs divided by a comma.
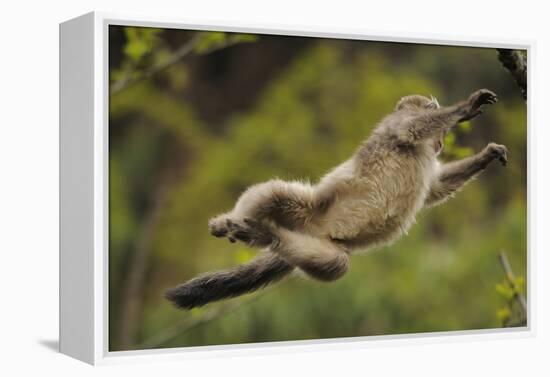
[(477, 99), (250, 231), (218, 226), (498, 152)]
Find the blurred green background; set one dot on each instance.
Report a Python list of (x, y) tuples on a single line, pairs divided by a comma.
[(196, 117)]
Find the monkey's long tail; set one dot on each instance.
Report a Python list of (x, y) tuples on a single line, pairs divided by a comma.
[(265, 269)]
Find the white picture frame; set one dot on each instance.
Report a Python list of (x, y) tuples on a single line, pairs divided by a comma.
[(84, 191)]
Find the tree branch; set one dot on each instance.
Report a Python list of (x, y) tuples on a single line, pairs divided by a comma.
[(512, 281), (180, 53), (516, 63)]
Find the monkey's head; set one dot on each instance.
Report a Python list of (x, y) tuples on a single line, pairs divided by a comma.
[(418, 103)]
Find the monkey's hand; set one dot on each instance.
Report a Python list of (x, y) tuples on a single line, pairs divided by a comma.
[(476, 100), (497, 152), (251, 232)]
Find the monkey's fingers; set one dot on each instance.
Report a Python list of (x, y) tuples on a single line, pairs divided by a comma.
[(238, 232), (218, 232), (483, 97), (503, 159), (251, 232), (490, 97), (499, 152), (492, 100)]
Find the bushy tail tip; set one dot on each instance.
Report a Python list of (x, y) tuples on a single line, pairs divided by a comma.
[(265, 269)]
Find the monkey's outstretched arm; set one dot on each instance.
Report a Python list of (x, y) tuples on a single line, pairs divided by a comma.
[(456, 174), (431, 122)]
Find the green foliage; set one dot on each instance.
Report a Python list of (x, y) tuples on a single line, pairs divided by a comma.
[(505, 291), (210, 41), (509, 290), (308, 115), (140, 42), (145, 52), (454, 151), (137, 53)]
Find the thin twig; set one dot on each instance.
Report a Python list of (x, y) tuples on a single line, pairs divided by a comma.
[(512, 281), (180, 53)]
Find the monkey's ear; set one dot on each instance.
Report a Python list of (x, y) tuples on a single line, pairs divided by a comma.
[(433, 104)]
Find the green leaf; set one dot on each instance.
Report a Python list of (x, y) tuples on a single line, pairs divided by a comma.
[(449, 140), (243, 38), (135, 50), (462, 152), (244, 255), (465, 126), (505, 291), (503, 314), (209, 41), (520, 283), (140, 41)]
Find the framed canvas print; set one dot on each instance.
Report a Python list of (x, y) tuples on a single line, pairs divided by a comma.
[(235, 188)]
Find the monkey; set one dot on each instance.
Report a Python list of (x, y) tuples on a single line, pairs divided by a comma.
[(367, 201)]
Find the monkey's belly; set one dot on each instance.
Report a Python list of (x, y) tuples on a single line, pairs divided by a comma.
[(362, 222), (381, 205)]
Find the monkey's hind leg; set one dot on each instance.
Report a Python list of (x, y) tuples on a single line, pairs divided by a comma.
[(249, 204), (319, 258), (285, 203)]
